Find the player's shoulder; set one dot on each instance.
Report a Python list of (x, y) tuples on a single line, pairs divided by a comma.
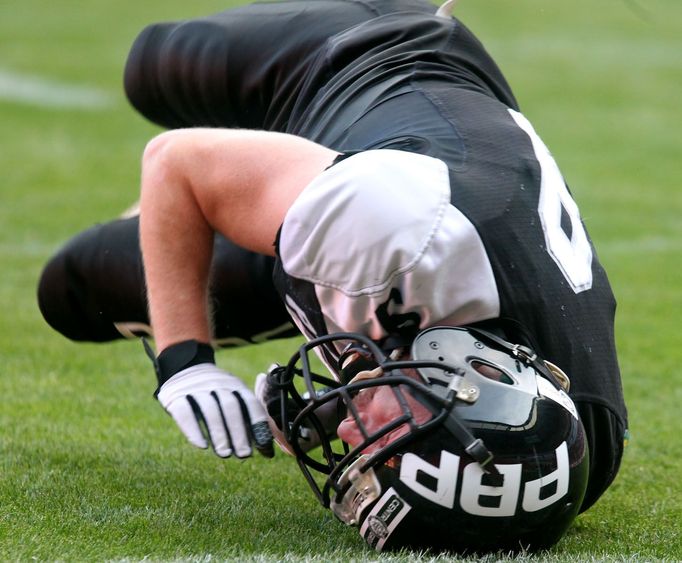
[(378, 203), (380, 223)]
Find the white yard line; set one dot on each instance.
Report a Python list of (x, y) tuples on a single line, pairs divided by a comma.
[(47, 93)]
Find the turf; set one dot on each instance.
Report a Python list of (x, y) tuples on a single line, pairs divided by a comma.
[(92, 469)]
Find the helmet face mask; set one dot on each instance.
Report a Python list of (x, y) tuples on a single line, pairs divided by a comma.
[(483, 450)]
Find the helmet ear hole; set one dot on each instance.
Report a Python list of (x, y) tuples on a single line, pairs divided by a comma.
[(491, 372)]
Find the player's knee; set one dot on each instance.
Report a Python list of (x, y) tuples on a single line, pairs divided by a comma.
[(58, 297), (76, 285)]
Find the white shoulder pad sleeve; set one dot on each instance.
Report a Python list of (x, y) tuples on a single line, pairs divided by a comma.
[(382, 220)]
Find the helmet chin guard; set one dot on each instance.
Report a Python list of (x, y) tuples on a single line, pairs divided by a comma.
[(498, 461)]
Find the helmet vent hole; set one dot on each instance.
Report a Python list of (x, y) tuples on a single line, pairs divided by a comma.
[(491, 372), (441, 359)]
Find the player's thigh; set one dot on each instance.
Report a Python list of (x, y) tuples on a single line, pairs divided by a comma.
[(226, 69)]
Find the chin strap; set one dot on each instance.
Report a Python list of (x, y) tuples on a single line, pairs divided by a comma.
[(475, 447)]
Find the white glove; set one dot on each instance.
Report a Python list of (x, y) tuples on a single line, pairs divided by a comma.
[(212, 406), (308, 438)]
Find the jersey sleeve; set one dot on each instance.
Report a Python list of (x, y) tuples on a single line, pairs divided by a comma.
[(365, 240)]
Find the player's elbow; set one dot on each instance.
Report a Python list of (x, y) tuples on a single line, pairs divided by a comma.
[(156, 151), (161, 160)]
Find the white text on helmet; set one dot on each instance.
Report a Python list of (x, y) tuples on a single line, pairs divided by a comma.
[(502, 500)]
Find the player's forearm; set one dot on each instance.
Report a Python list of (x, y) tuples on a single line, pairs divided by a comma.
[(176, 247), (196, 182)]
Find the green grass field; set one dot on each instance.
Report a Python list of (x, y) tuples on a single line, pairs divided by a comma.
[(92, 469)]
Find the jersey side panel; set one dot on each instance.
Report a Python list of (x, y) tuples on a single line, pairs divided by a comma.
[(499, 189)]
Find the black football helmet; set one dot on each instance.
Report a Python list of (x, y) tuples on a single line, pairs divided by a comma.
[(500, 463)]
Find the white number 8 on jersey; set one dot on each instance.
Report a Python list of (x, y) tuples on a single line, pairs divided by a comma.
[(573, 255)]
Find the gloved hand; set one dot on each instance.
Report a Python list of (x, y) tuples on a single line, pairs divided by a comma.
[(212, 406), (270, 398)]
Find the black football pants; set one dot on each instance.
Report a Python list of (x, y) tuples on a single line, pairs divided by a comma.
[(93, 289)]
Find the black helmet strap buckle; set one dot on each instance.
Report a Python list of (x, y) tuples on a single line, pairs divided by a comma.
[(522, 353)]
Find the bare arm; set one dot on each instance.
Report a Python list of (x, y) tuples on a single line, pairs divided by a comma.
[(197, 181)]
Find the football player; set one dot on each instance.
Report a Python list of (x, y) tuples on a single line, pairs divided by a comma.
[(363, 170)]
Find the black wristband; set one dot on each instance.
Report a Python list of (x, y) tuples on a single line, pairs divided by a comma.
[(182, 355)]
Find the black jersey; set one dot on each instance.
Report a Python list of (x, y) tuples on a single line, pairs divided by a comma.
[(386, 76)]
